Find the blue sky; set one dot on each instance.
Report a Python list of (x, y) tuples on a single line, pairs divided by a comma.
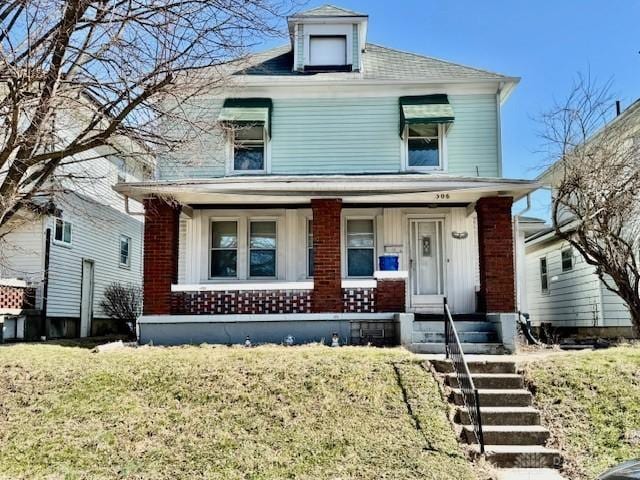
[(546, 43)]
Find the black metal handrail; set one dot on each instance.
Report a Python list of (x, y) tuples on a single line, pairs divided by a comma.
[(470, 396)]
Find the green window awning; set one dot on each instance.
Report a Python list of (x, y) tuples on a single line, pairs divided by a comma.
[(247, 111), (425, 109)]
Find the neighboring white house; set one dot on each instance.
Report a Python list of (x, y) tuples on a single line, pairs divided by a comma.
[(85, 237), (563, 289)]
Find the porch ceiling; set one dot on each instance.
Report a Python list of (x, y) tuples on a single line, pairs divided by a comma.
[(374, 189)]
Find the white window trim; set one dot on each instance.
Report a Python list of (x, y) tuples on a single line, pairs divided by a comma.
[(442, 151), (230, 170), (566, 249), (345, 248), (307, 248), (546, 263), (128, 263), (250, 220), (62, 243), (212, 220)]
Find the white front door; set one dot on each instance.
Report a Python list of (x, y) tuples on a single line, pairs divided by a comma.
[(86, 300), (427, 252)]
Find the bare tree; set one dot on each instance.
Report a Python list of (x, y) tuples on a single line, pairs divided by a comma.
[(596, 186), (123, 303), (78, 76)]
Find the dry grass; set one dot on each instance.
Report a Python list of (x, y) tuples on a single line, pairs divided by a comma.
[(222, 413), (591, 403)]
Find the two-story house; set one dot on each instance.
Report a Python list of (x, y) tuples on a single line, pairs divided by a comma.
[(323, 156), (564, 291), (59, 258)]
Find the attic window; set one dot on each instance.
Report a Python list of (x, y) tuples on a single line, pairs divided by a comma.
[(327, 52)]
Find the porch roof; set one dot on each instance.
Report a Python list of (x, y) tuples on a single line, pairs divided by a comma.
[(295, 189)]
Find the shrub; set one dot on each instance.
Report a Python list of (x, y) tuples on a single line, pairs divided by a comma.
[(123, 302)]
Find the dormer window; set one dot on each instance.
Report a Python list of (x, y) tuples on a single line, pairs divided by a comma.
[(327, 52)]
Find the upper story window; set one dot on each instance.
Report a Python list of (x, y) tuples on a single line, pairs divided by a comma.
[(249, 149), (544, 276), (567, 259), (125, 251), (423, 124), (250, 122), (423, 147), (62, 232), (327, 51)]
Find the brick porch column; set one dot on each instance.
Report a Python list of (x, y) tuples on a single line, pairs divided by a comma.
[(327, 274), (495, 245), (161, 224)]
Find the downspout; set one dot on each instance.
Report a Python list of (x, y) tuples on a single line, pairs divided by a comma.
[(45, 285), (126, 208)]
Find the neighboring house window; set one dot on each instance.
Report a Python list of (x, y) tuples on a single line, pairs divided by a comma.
[(310, 248), (224, 249), (249, 149), (327, 50), (62, 232), (262, 249), (544, 277), (125, 251), (567, 259), (360, 248), (423, 147)]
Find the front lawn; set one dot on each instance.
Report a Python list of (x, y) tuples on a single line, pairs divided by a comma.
[(591, 403), (223, 413)]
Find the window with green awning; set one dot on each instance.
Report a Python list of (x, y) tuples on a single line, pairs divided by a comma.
[(425, 110), (247, 111)]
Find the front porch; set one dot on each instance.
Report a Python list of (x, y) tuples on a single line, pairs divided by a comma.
[(296, 259)]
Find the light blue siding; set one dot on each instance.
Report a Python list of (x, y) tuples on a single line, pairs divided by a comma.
[(346, 135), (300, 48), (335, 135), (473, 137)]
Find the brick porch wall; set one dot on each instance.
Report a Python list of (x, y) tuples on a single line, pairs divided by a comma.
[(161, 223), (17, 297), (495, 244), (391, 296), (327, 276), (231, 302)]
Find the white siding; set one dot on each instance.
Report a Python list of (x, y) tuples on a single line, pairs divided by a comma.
[(616, 313), (573, 299), (95, 236), (22, 252)]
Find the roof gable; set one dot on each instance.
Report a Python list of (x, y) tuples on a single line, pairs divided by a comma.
[(328, 11)]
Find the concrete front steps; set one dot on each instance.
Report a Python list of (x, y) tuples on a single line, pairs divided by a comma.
[(476, 336), (512, 432)]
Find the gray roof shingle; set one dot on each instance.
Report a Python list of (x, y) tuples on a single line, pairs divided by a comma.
[(380, 63)]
